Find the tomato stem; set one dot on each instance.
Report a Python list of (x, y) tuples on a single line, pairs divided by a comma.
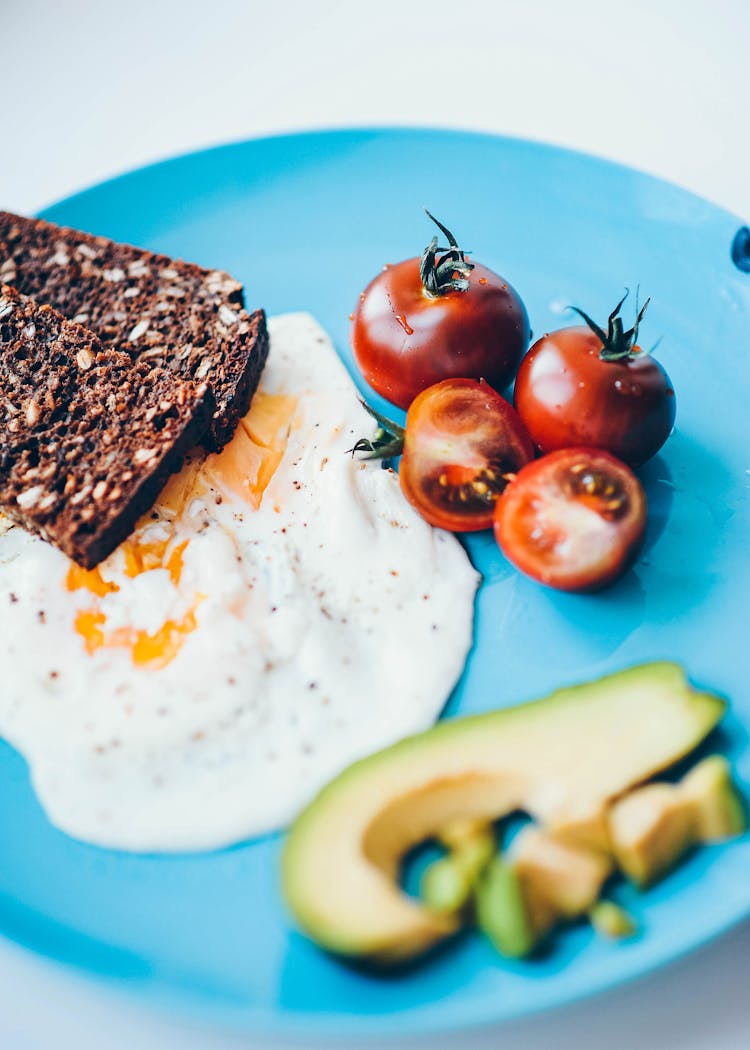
[(617, 344), (444, 270), (386, 443)]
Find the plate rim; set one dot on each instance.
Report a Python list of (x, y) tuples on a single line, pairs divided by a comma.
[(385, 129)]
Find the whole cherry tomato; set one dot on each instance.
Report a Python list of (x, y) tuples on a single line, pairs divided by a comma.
[(419, 322), (460, 442), (572, 520), (584, 386)]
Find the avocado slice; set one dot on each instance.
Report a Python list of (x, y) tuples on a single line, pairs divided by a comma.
[(561, 759), (652, 828)]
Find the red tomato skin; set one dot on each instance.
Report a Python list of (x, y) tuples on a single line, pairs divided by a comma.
[(405, 341), (567, 396), (478, 419), (526, 492)]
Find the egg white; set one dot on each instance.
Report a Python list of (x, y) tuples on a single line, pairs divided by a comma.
[(309, 632)]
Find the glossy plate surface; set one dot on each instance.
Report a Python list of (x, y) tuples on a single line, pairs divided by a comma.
[(305, 221)]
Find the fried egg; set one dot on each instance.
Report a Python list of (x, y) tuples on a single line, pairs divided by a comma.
[(281, 612)]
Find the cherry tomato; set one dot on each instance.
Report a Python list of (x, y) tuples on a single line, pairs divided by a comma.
[(573, 519), (461, 440), (582, 386), (419, 322)]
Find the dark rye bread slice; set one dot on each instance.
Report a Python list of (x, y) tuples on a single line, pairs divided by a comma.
[(168, 312), (87, 436)]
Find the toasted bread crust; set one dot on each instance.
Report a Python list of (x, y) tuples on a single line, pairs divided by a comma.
[(168, 312)]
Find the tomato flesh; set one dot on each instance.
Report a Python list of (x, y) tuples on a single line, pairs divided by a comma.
[(405, 340), (568, 396), (462, 439), (572, 520)]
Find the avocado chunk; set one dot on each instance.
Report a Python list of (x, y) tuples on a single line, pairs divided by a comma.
[(501, 911), (654, 826), (560, 881), (612, 921), (447, 884), (719, 811), (561, 759), (650, 830), (541, 883)]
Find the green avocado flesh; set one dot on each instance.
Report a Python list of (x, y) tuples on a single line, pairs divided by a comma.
[(501, 910), (652, 828), (448, 883), (610, 920), (560, 759), (560, 881)]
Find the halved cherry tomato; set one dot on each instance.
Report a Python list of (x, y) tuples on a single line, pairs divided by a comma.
[(462, 439), (419, 322), (572, 520), (585, 386)]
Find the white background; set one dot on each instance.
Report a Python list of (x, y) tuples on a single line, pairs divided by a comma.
[(90, 89)]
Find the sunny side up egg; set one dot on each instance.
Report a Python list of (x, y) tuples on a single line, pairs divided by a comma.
[(280, 613)]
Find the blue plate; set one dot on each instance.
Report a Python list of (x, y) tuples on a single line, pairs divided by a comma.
[(305, 221)]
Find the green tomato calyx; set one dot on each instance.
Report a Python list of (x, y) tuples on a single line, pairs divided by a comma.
[(617, 343), (386, 443), (444, 270)]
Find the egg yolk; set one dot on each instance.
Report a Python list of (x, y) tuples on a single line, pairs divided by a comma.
[(142, 557), (147, 650), (89, 580), (252, 457), (88, 623), (181, 488)]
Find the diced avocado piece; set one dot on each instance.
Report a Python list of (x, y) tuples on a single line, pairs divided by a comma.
[(650, 830), (653, 827), (501, 911), (717, 804), (560, 759), (560, 881), (446, 886), (588, 831), (447, 883), (610, 920)]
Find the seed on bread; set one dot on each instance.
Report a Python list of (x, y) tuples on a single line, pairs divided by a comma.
[(32, 414), (138, 330), (84, 359)]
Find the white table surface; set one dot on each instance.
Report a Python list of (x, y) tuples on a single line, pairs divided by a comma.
[(90, 89)]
